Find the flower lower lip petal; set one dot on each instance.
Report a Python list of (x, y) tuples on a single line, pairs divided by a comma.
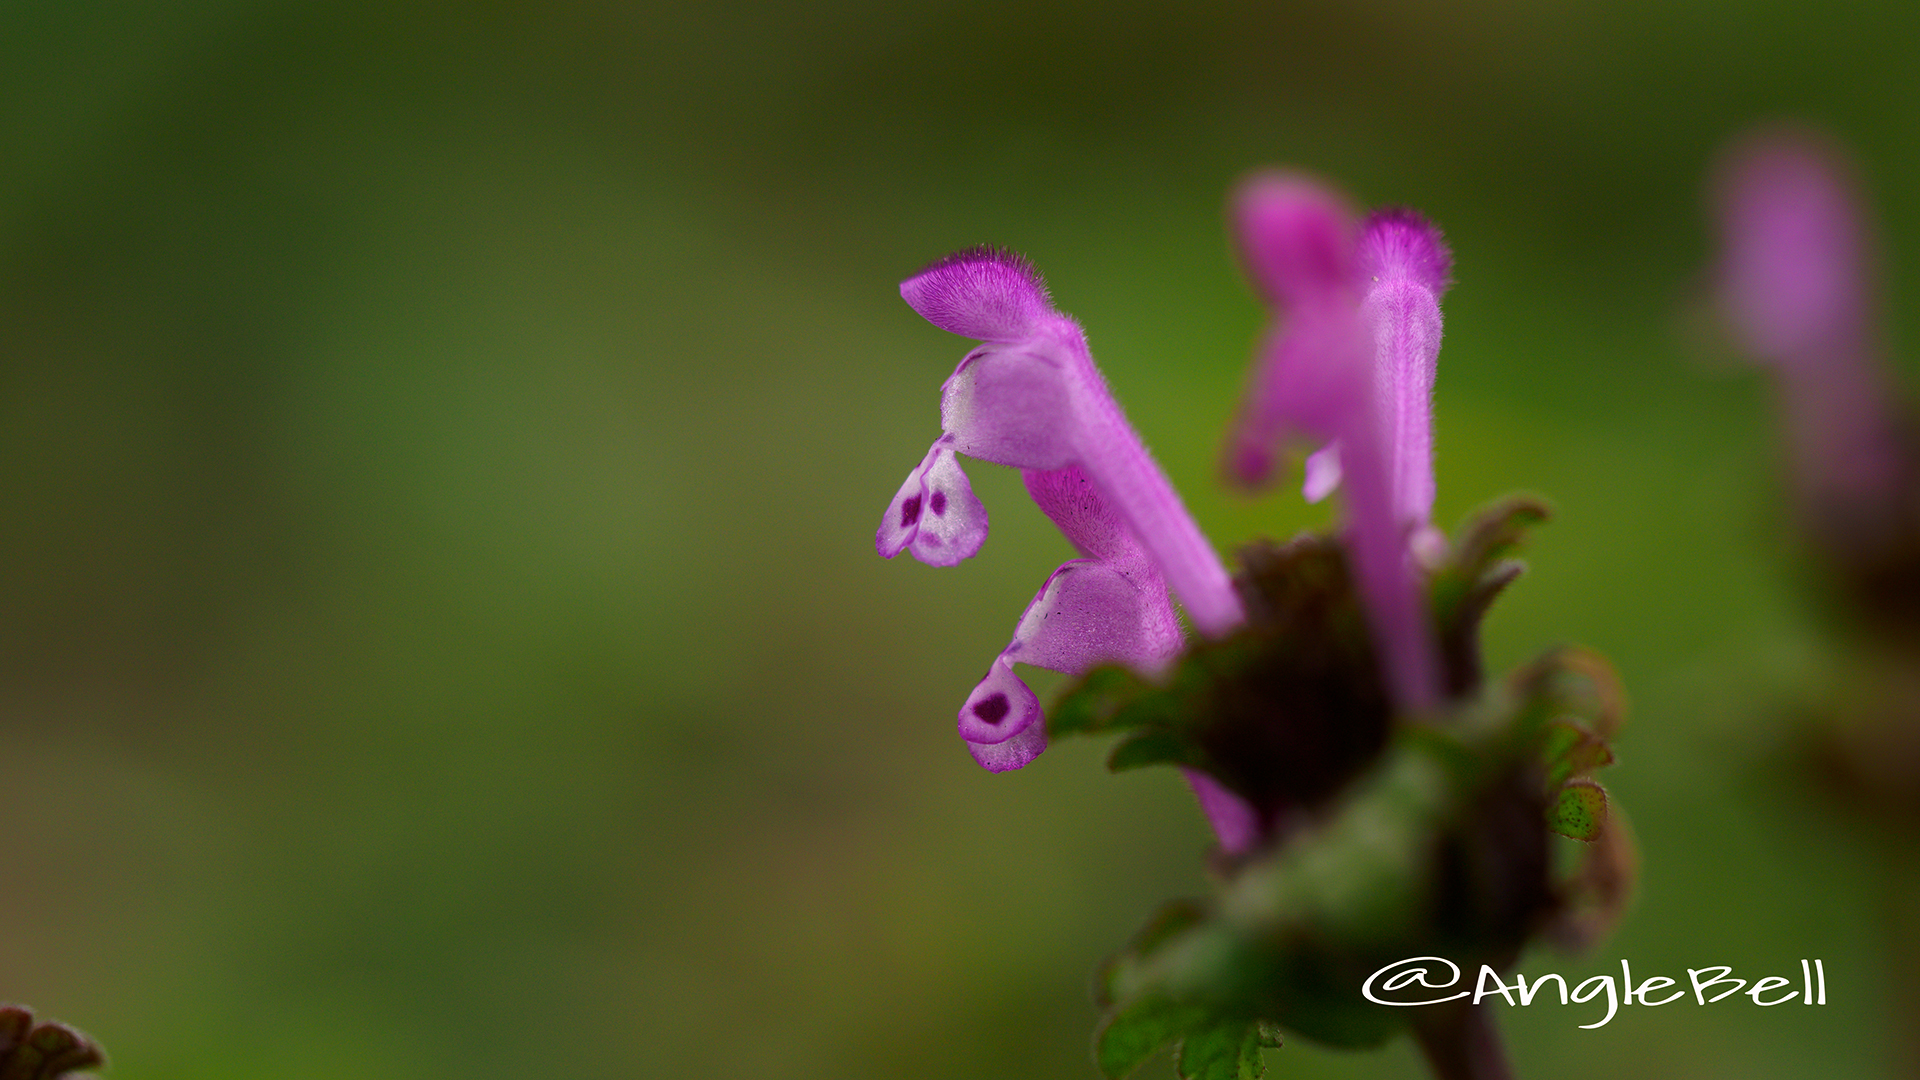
[(1001, 707), (935, 514), (1010, 754)]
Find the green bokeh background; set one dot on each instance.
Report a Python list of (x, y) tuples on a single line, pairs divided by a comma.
[(440, 444)]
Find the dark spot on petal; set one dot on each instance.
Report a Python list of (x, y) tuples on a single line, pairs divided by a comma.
[(938, 504), (910, 512), (993, 709)]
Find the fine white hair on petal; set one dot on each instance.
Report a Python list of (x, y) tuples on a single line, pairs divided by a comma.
[(986, 293), (1397, 242)]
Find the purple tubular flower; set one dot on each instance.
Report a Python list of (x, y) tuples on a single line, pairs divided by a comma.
[(1110, 606), (1795, 283), (1350, 363), (1030, 397), (1296, 244)]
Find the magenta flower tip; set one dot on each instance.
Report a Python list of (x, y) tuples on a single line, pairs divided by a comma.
[(1398, 243), (1295, 237), (985, 293)]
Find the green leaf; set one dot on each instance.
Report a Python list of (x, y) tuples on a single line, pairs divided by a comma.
[(1570, 682), (1222, 1051), (1580, 811), (1155, 746), (1494, 531), (1172, 919), (1464, 586), (1572, 750), (1596, 894), (1131, 1036), (1092, 704)]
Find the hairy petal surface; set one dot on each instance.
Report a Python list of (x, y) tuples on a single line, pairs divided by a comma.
[(1405, 267), (985, 293), (1032, 398)]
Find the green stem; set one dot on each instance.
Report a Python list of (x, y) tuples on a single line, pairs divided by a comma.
[(1461, 1043)]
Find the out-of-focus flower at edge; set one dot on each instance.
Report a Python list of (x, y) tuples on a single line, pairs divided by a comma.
[(1374, 799), (1796, 282), (1796, 285)]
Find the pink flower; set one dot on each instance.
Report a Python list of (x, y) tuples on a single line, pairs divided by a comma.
[(1350, 364), (1795, 282), (1030, 396)]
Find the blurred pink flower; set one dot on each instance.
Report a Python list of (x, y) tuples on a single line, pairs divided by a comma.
[(1796, 284), (1350, 364)]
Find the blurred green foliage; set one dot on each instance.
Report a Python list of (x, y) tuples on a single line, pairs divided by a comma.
[(439, 630)]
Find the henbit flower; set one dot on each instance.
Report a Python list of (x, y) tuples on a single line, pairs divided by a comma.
[(1030, 397), (1351, 363), (1110, 606), (1795, 282)]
